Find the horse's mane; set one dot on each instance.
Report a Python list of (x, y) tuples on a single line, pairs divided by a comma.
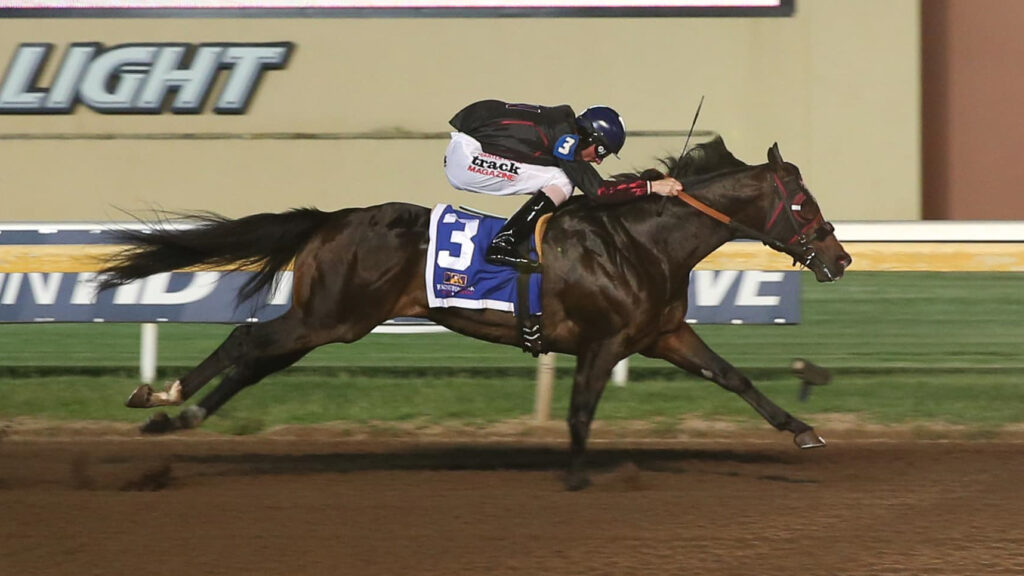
[(696, 182)]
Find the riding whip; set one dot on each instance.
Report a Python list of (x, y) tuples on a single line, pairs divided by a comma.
[(692, 124), (685, 145)]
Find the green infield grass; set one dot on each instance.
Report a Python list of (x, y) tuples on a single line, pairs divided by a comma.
[(903, 348)]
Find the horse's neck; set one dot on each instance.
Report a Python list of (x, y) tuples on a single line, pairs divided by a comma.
[(676, 234), (698, 233), (736, 194)]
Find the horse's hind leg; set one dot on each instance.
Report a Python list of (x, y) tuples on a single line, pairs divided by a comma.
[(262, 350), (686, 350), (180, 390), (244, 374)]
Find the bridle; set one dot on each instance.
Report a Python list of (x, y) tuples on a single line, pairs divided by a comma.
[(799, 246), (815, 229)]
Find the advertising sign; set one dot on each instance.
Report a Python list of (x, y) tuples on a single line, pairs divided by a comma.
[(138, 78)]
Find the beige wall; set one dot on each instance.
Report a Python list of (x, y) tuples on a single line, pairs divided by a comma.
[(836, 85)]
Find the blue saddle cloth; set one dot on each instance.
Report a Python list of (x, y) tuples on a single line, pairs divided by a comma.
[(457, 274)]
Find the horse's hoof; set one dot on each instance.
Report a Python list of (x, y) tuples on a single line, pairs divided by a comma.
[(140, 397), (145, 397), (808, 439), (160, 423), (577, 482)]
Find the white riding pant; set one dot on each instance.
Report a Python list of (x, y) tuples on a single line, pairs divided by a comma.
[(469, 168)]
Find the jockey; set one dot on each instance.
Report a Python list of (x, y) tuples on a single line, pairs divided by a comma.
[(504, 149)]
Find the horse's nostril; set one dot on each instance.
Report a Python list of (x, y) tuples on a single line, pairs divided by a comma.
[(845, 260)]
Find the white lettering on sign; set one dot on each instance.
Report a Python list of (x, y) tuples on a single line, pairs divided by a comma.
[(128, 293), (136, 78), (282, 289), (192, 83), (712, 287), (155, 289), (44, 287), (748, 292), (11, 287), (85, 290)]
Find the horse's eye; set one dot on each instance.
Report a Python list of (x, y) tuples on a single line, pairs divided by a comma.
[(824, 231)]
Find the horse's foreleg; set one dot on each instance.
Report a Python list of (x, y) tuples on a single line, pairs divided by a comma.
[(180, 390), (686, 350), (593, 368)]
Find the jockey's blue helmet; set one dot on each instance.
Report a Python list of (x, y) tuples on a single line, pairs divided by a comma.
[(603, 126)]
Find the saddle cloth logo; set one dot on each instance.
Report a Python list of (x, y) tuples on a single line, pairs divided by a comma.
[(453, 279), (457, 275)]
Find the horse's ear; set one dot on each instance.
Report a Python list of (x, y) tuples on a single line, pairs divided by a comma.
[(774, 156)]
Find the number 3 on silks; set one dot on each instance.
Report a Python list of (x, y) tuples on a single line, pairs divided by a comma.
[(464, 238), (565, 147)]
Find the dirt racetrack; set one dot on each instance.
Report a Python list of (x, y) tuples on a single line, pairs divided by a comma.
[(316, 503)]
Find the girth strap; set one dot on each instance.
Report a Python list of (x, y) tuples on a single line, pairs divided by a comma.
[(529, 324)]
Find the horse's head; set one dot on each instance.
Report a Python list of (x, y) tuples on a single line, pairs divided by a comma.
[(779, 210), (795, 222)]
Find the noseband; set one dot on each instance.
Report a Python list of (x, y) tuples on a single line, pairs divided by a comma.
[(799, 246)]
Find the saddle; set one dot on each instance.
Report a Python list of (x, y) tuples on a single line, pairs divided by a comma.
[(458, 275)]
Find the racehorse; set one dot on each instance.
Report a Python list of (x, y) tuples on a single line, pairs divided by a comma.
[(615, 281)]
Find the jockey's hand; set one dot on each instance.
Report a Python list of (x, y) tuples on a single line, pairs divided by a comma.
[(666, 187)]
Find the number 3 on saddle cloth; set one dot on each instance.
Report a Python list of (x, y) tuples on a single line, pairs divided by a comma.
[(458, 276)]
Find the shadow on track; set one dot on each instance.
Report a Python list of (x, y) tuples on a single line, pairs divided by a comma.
[(472, 458)]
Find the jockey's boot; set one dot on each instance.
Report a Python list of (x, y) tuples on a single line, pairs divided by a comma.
[(504, 248)]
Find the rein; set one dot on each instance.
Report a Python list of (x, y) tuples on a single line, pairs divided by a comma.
[(742, 229)]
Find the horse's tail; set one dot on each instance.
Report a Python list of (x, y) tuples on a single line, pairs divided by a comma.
[(267, 242)]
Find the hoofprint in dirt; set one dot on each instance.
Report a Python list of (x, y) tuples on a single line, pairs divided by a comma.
[(328, 500)]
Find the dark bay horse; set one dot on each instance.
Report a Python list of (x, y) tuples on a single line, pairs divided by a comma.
[(615, 282)]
